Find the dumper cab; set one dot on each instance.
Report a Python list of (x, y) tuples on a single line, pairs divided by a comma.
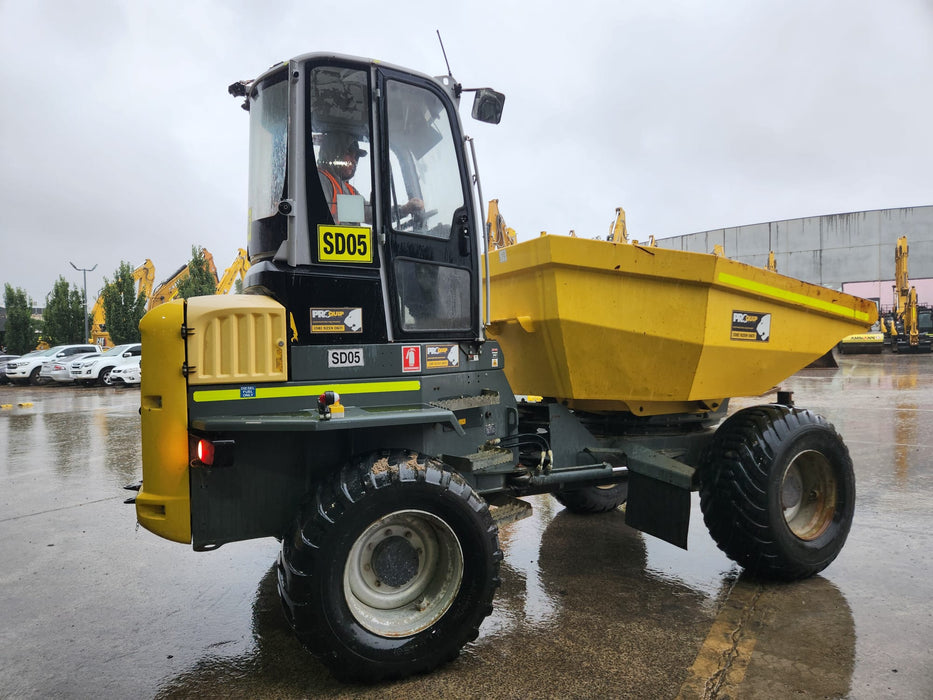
[(361, 219)]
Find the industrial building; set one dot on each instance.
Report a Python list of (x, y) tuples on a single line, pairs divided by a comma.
[(851, 252)]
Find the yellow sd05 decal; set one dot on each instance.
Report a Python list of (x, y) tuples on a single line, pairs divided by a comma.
[(347, 244)]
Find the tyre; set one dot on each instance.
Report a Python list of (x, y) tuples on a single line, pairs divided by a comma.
[(34, 377), (104, 376), (390, 568), (777, 491), (593, 499)]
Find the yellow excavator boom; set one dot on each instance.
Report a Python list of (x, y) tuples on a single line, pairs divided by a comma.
[(498, 234), (238, 268), (618, 233)]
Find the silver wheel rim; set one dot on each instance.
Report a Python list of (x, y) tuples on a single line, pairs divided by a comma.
[(808, 494), (403, 573)]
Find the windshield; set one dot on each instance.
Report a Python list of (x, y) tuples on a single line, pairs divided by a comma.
[(118, 350)]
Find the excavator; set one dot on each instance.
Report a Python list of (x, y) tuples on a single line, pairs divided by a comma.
[(907, 329), (237, 269), (168, 290), (144, 276), (906, 335)]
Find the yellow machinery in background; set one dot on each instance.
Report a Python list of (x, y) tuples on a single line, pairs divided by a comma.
[(144, 276), (908, 328), (168, 290), (237, 268), (905, 327)]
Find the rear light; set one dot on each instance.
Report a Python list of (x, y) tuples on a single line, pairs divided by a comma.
[(212, 453), (206, 452)]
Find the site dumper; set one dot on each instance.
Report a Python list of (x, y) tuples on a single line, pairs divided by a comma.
[(359, 402)]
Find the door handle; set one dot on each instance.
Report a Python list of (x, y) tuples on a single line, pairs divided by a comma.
[(463, 232)]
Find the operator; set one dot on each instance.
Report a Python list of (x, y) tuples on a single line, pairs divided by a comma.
[(340, 153)]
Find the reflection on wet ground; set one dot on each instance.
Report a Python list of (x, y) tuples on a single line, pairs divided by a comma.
[(587, 608)]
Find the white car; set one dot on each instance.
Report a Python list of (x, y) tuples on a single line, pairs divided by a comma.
[(97, 369), (128, 372), (3, 360), (59, 370), (26, 369)]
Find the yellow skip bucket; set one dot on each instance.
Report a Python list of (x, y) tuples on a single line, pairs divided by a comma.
[(620, 327)]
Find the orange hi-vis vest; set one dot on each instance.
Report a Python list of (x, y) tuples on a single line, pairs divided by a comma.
[(337, 188)]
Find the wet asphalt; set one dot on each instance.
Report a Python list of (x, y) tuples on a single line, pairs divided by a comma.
[(92, 606)]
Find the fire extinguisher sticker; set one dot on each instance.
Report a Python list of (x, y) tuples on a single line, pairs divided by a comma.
[(411, 358)]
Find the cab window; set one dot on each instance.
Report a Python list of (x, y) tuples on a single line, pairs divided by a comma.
[(340, 137), (425, 187)]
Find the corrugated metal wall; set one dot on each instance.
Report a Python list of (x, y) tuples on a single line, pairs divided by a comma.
[(829, 250)]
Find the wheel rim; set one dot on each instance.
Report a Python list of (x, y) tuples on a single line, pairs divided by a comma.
[(808, 495), (105, 377), (403, 573)]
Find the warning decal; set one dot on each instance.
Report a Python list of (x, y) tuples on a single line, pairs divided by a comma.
[(337, 320), (751, 325)]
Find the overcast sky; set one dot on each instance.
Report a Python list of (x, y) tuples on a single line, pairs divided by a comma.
[(118, 140)]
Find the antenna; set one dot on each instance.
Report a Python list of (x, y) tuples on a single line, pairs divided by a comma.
[(444, 52)]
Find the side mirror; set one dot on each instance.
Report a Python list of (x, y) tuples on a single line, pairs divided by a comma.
[(487, 105), (127, 354)]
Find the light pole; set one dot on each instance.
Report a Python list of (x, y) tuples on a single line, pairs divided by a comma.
[(84, 271)]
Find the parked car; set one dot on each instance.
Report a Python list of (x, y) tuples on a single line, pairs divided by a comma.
[(59, 370), (3, 360), (128, 372), (26, 369), (97, 369)]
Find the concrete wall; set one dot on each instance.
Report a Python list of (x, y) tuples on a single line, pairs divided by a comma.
[(830, 250)]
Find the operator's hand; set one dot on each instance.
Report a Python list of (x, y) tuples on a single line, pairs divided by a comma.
[(411, 206)]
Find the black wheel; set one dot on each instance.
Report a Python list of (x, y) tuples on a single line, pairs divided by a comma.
[(34, 377), (390, 568), (104, 376), (593, 499), (777, 491)]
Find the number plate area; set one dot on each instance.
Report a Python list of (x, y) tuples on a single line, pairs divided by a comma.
[(346, 357), (344, 244)]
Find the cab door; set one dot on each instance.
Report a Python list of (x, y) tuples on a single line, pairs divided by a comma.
[(427, 213)]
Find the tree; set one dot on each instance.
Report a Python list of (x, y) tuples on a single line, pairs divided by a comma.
[(20, 329), (201, 280), (63, 316), (123, 308)]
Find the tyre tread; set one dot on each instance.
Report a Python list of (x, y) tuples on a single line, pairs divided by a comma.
[(321, 515)]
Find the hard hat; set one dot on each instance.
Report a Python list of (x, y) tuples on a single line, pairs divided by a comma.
[(338, 143)]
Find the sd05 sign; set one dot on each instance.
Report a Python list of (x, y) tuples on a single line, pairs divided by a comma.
[(348, 357), (346, 244)]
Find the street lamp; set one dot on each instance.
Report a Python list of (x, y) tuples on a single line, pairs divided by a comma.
[(84, 271)]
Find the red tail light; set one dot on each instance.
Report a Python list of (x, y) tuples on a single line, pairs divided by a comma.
[(206, 452)]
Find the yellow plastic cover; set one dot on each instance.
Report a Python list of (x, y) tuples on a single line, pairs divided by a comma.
[(236, 339)]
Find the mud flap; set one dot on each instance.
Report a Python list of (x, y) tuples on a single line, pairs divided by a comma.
[(658, 508)]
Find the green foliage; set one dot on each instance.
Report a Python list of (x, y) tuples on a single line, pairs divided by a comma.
[(123, 308), (63, 317), (20, 336), (201, 280)]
